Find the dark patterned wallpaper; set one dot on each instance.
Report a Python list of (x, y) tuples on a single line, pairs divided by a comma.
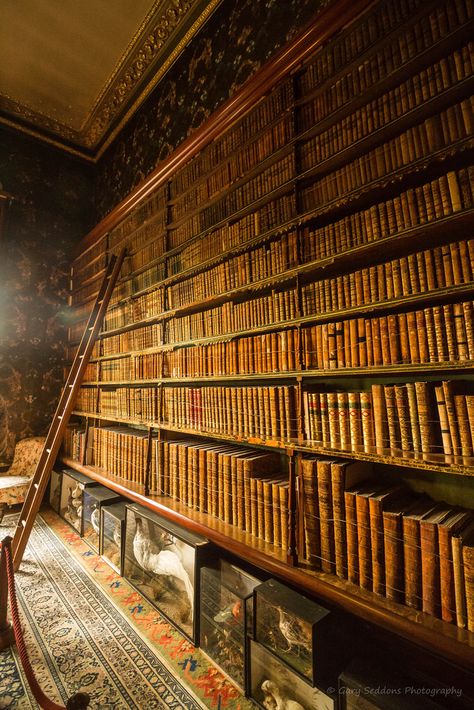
[(52, 212), (240, 37)]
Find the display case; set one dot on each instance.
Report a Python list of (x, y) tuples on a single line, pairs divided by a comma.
[(297, 630), (162, 561), (227, 617), (95, 498), (55, 490), (112, 529), (368, 685), (272, 684), (73, 486)]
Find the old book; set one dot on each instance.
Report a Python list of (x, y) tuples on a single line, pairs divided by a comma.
[(425, 416), (380, 418), (326, 521), (355, 424), (451, 415), (344, 474), (412, 552), (363, 533), (377, 501), (452, 525), (283, 489), (394, 435), (392, 519), (468, 564), (430, 574), (443, 419), (308, 469), (457, 542), (401, 400), (351, 533), (462, 419), (367, 420)]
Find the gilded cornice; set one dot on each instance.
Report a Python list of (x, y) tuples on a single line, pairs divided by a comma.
[(167, 29)]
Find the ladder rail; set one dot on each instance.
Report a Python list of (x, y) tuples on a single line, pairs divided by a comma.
[(63, 411)]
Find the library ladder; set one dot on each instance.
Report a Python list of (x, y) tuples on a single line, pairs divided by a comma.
[(54, 437)]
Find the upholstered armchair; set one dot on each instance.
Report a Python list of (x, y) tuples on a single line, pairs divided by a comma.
[(15, 481)]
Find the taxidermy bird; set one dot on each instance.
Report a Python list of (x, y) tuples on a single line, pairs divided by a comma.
[(281, 702), (293, 632), (160, 562), (95, 520), (228, 613), (117, 535)]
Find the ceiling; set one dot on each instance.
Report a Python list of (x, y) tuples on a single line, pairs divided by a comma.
[(72, 72)]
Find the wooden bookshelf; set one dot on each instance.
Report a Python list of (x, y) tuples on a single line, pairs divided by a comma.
[(299, 283)]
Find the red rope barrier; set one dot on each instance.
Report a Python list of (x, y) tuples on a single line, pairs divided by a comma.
[(76, 702)]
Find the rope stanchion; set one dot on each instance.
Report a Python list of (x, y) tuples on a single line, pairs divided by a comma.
[(79, 701)]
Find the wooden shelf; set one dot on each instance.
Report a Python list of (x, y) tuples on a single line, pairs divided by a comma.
[(433, 634), (434, 196), (395, 457)]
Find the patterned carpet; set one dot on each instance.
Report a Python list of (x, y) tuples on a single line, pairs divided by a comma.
[(87, 629)]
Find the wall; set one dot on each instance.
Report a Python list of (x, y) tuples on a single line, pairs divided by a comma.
[(51, 212), (239, 37)]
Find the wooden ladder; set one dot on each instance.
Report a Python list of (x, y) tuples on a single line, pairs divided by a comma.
[(54, 438)]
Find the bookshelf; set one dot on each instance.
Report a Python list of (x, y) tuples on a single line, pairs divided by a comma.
[(299, 293)]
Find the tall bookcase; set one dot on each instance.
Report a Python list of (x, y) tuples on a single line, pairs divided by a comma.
[(298, 293)]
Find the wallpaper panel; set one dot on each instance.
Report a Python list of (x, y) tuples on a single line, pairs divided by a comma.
[(52, 210), (239, 37)]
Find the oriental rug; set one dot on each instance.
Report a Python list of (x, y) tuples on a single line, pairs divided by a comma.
[(87, 629)]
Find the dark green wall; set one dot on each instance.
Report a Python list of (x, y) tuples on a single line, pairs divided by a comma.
[(52, 210)]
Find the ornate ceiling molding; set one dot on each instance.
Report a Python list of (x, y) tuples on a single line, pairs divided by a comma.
[(165, 32)]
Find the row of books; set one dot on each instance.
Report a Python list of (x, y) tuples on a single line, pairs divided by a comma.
[(234, 168), (440, 334), (266, 413), (415, 143), (88, 271), (263, 413), (241, 270), (231, 317), (269, 179), (144, 212), (386, 108), (428, 270), (417, 417), (354, 40), (388, 540), (149, 336), (232, 234), (241, 487), (149, 304), (243, 132), (396, 51), (448, 194), (96, 250), (447, 72)]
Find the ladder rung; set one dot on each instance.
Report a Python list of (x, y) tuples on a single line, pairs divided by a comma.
[(23, 522), (60, 416), (36, 485), (48, 451)]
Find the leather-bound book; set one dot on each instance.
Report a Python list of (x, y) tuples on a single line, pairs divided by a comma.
[(344, 474), (376, 506), (394, 435), (326, 522), (425, 416), (367, 417), (308, 468), (380, 418), (363, 533), (457, 542), (401, 400), (355, 424), (430, 574), (392, 519), (446, 529), (412, 552), (451, 414), (468, 563), (460, 408), (283, 490)]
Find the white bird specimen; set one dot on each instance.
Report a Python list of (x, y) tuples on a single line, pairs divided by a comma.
[(95, 520), (117, 535), (160, 562), (272, 691)]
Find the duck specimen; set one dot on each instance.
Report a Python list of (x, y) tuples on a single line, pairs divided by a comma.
[(160, 562), (282, 702)]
